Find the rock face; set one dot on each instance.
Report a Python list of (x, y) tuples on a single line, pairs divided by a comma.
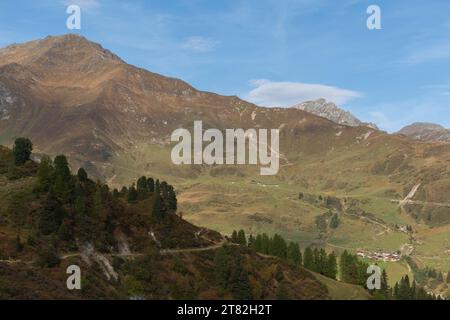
[(426, 132), (330, 111)]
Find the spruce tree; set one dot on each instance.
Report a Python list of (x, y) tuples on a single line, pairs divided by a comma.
[(132, 195), (51, 215), (158, 209), (63, 180), (80, 200), (142, 188), (239, 281), (258, 246), (22, 151), (265, 243), (334, 223), (44, 175), (222, 267), (234, 237), (251, 241), (151, 185), (172, 202), (294, 254), (241, 238), (82, 175), (308, 259), (384, 287), (331, 266)]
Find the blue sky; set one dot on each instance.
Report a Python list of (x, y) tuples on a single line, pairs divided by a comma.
[(273, 52)]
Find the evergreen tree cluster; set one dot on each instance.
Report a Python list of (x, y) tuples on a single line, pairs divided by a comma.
[(231, 273), (352, 269), (319, 261), (316, 260), (408, 290), (435, 274), (165, 199), (75, 207)]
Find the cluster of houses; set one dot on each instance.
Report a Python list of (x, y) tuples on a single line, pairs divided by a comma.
[(380, 255)]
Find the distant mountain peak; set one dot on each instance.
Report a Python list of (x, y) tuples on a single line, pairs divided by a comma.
[(330, 111), (426, 131)]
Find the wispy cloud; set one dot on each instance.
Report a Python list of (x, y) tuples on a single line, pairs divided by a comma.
[(286, 94), (200, 44), (436, 52)]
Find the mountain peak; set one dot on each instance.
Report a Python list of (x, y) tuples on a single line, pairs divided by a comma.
[(330, 111), (68, 48), (426, 131)]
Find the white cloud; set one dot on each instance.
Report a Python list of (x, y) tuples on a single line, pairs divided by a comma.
[(83, 4), (286, 94), (200, 44)]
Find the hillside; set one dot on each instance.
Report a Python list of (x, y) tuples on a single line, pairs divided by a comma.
[(125, 246), (74, 97)]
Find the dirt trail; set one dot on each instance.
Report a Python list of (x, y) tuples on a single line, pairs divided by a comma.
[(410, 195), (164, 251)]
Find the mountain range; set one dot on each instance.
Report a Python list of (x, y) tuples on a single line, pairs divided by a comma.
[(72, 96)]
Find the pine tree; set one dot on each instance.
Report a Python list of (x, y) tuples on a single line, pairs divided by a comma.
[(278, 247), (62, 167), (294, 254), (63, 180), (172, 202), (151, 185), (251, 241), (331, 266), (234, 237), (239, 282), (80, 200), (116, 193), (142, 188), (159, 211), (44, 175), (265, 243), (404, 289), (334, 223), (22, 151), (51, 216), (258, 245), (124, 192), (395, 294), (241, 238), (384, 288), (222, 267), (132, 195), (82, 175), (308, 259)]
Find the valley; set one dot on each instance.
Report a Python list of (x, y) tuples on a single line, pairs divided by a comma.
[(338, 187)]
